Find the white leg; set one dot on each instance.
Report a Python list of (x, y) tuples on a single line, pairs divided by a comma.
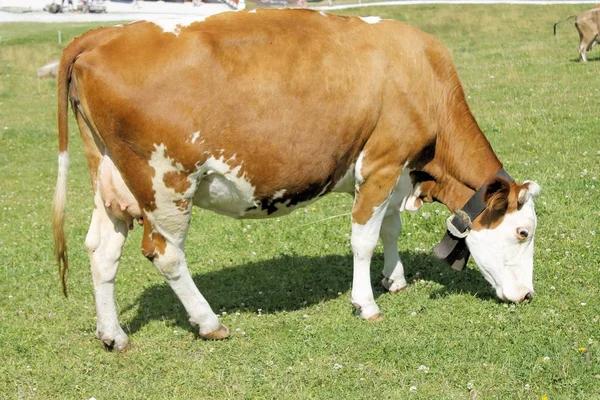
[(393, 270), (105, 240), (165, 247), (582, 52), (173, 267), (364, 241)]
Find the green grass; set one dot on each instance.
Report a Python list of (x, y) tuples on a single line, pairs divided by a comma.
[(282, 286)]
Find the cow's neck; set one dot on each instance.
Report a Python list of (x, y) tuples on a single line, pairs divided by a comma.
[(462, 162)]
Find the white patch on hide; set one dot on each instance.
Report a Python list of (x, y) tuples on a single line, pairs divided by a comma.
[(358, 176), (279, 194), (168, 219), (371, 20), (223, 190), (174, 25)]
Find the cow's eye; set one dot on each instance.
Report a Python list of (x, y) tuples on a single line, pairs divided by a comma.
[(522, 233)]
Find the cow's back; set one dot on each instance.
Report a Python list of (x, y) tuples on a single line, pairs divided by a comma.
[(590, 20), (269, 92)]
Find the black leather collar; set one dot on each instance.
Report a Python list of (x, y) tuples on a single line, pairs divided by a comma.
[(453, 248)]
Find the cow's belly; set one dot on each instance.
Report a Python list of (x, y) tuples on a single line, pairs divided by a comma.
[(225, 194), (233, 196), (227, 191)]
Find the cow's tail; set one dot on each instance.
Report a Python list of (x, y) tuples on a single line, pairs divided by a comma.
[(60, 193), (80, 45), (564, 20)]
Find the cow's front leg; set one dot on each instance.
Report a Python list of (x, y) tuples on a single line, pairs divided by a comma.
[(105, 239), (166, 252), (371, 201), (364, 241), (393, 270)]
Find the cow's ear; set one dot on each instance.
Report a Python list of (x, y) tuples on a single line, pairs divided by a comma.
[(528, 190), (496, 195)]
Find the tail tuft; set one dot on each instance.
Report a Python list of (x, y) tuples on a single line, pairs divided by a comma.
[(58, 219), (564, 20)]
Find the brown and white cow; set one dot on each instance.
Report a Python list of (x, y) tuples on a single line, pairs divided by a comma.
[(588, 27), (253, 114)]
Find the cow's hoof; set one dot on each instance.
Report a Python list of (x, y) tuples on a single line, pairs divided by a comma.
[(376, 318), (222, 332), (394, 286), (370, 313), (111, 343)]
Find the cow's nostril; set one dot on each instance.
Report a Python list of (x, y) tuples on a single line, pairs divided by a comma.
[(528, 296)]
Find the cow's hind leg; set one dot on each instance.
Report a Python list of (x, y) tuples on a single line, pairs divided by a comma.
[(163, 244), (582, 52), (105, 240), (586, 39)]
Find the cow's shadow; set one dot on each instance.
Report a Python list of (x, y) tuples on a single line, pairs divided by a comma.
[(289, 283)]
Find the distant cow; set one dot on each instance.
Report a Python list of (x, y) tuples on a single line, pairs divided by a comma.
[(254, 114), (588, 27), (49, 70)]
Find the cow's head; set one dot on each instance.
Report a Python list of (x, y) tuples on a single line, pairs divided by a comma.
[(502, 237)]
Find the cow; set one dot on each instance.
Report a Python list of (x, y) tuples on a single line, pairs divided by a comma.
[(254, 114), (49, 70), (588, 26)]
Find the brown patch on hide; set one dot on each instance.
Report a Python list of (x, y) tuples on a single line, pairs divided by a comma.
[(153, 243), (177, 181), (183, 205)]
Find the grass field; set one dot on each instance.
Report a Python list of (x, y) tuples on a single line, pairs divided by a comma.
[(283, 286)]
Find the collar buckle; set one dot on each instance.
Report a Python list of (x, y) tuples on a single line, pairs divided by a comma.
[(462, 229)]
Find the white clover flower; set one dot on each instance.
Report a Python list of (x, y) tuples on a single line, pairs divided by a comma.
[(412, 389), (337, 366), (423, 368)]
